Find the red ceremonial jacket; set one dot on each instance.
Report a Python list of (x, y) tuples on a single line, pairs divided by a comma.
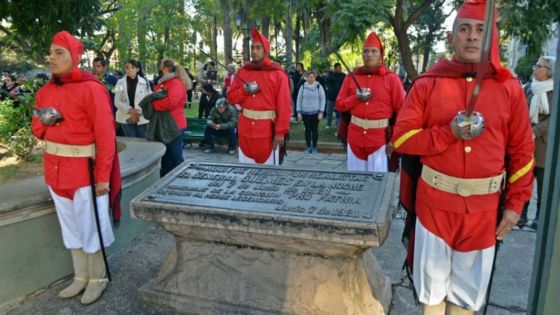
[(175, 100), (423, 128), (88, 119), (387, 98), (275, 96)]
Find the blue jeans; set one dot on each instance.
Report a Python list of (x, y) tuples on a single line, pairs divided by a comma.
[(173, 155), (130, 130), (210, 133)]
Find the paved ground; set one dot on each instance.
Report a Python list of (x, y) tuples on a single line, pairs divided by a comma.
[(140, 261)]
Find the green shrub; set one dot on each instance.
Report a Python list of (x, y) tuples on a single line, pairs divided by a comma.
[(15, 121), (524, 68)]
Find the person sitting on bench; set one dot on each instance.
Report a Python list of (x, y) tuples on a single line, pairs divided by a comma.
[(222, 121)]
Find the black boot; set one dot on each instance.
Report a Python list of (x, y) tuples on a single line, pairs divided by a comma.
[(535, 224), (522, 221)]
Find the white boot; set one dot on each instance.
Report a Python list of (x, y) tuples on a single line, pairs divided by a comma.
[(97, 280), (453, 309), (80, 262), (438, 309)]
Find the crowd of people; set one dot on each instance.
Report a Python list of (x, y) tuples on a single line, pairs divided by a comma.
[(456, 156), (13, 85)]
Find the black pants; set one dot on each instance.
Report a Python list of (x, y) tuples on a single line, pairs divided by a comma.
[(311, 123), (539, 175), (204, 109), (210, 133)]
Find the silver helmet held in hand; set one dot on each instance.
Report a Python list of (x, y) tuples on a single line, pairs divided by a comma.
[(475, 121), (363, 94), (251, 87), (49, 116)]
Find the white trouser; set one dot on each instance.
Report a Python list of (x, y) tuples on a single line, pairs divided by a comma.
[(376, 162), (77, 220), (443, 273), (273, 159)]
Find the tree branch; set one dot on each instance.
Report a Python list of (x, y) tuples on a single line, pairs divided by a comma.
[(389, 17), (110, 7), (104, 40), (23, 44), (416, 13), (5, 30), (12, 46)]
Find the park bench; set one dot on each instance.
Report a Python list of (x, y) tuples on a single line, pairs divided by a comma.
[(195, 132)]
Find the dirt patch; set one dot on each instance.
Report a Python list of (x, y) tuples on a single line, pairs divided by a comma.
[(13, 169)]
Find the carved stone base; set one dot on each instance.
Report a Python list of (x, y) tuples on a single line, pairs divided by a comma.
[(216, 278)]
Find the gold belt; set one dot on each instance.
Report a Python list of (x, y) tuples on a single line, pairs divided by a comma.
[(370, 124), (259, 114), (461, 186), (70, 150)]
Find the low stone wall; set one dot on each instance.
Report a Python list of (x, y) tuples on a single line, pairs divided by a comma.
[(32, 253)]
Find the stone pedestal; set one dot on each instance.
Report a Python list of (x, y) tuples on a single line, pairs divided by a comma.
[(266, 240)]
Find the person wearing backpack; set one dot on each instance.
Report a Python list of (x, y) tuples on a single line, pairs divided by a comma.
[(310, 105)]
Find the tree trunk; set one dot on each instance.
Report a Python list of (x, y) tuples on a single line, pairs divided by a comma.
[(161, 51), (245, 29), (427, 50), (406, 53), (265, 26), (141, 34), (246, 43), (226, 6), (400, 28), (276, 31), (121, 44), (298, 37), (214, 46), (181, 42), (324, 29), (288, 33)]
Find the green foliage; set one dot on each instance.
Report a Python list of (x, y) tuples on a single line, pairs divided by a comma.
[(321, 64), (148, 30), (351, 18), (32, 23), (429, 29), (524, 68), (15, 121), (530, 21)]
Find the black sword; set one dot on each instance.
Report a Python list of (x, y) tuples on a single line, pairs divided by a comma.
[(484, 55), (96, 211), (483, 63), (349, 71), (220, 64)]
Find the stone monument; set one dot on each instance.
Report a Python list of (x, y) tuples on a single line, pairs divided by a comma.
[(270, 240)]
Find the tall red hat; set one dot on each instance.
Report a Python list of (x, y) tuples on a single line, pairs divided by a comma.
[(257, 37), (474, 9), (373, 41), (75, 47)]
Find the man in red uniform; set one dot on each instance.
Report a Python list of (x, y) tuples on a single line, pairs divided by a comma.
[(82, 128), (459, 187), (265, 102), (370, 115)]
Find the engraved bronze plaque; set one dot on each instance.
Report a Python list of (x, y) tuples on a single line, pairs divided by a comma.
[(275, 190)]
